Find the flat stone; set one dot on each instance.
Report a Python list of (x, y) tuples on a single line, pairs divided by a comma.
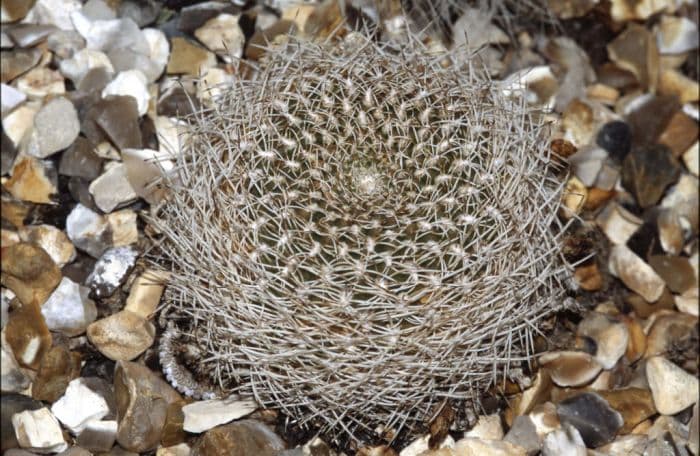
[(592, 416), (587, 162), (535, 394), (98, 436), (109, 34), (570, 368), (203, 415), (146, 292), (29, 272), (111, 270), (56, 126), (78, 406), (52, 240), (675, 83), (223, 36), (635, 273), (648, 116), (88, 231), (80, 160), (76, 67), (648, 171), (142, 399), (589, 277), (691, 158), (129, 60), (566, 441), (241, 438), (68, 309), (131, 83), (123, 226), (12, 379), (635, 50), (188, 58), (118, 117), (58, 368), (65, 43), (16, 62), (171, 134), (41, 82), (634, 404), (38, 431), (28, 35), (684, 199), (159, 52), (680, 133), (194, 16), (121, 336), (33, 180), (675, 35), (11, 98), (610, 335), (673, 388), (112, 189)]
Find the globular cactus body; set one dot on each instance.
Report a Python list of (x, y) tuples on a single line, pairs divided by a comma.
[(356, 236)]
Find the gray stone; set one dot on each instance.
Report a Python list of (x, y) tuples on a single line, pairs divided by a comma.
[(80, 160), (592, 416), (88, 231), (111, 270), (524, 433), (112, 189), (28, 35), (98, 436), (56, 126), (68, 309), (65, 43)]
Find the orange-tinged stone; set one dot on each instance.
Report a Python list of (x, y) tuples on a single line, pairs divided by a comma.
[(27, 334), (589, 277), (29, 272)]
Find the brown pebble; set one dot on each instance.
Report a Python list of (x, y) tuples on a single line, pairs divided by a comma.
[(27, 334), (29, 272), (58, 367)]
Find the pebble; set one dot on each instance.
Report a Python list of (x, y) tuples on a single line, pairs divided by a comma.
[(592, 416), (680, 133), (668, 329), (143, 169), (635, 50), (201, 416), (175, 101), (684, 199), (12, 11), (38, 431), (121, 336), (616, 138), (144, 399), (11, 404), (159, 52), (566, 441), (17, 62), (65, 43), (78, 406), (145, 293), (670, 231), (173, 432), (131, 83), (634, 404), (648, 171), (673, 388), (77, 67), (674, 83), (676, 271), (691, 158), (694, 434), (111, 271), (676, 35), (80, 160), (486, 428), (12, 379), (570, 368), (54, 12), (88, 231), (112, 189), (473, 447), (58, 368), (241, 438), (41, 82), (223, 36), (574, 197), (68, 309), (19, 122), (635, 273), (123, 226), (29, 272), (688, 302), (171, 133), (610, 335), (33, 180), (56, 126), (648, 115), (98, 436), (617, 223), (10, 98), (97, 10), (188, 58), (27, 334), (28, 35), (588, 277), (626, 445), (211, 84), (181, 449), (108, 34), (524, 434), (194, 16), (117, 117), (537, 393), (587, 162), (8, 153), (52, 240)]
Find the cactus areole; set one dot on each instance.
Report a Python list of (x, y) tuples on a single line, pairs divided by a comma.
[(357, 236)]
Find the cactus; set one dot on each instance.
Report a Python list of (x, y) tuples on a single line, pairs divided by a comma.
[(356, 236)]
